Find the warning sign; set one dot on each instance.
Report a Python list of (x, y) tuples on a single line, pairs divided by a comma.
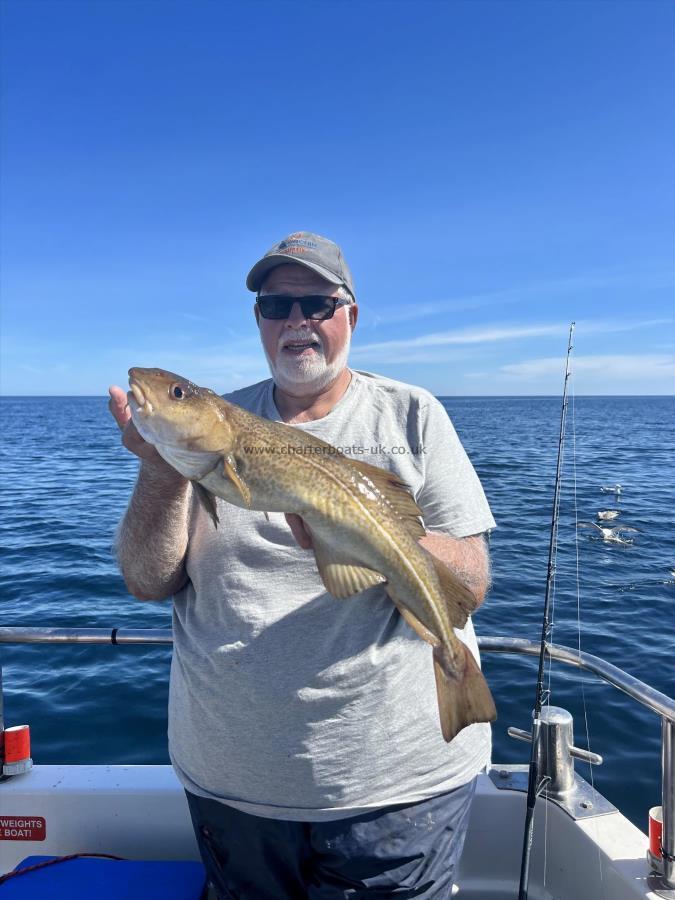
[(22, 828)]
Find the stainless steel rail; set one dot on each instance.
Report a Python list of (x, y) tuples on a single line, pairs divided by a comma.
[(638, 690), (659, 703), (28, 635)]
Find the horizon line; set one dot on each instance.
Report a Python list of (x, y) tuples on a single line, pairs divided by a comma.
[(439, 396)]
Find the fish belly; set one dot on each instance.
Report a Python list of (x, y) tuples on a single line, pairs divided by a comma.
[(191, 464)]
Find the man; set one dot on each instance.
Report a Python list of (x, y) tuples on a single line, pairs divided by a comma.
[(305, 728)]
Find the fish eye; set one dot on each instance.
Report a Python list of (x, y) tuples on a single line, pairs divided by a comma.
[(177, 392)]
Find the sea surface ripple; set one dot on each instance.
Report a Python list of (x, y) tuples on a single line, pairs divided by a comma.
[(66, 482)]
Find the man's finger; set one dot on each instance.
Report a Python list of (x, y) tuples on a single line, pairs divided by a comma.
[(118, 406)]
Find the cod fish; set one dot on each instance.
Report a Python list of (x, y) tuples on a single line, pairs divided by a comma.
[(364, 522)]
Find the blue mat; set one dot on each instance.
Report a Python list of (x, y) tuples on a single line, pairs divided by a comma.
[(106, 879)]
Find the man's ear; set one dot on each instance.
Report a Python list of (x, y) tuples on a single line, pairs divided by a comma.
[(353, 314)]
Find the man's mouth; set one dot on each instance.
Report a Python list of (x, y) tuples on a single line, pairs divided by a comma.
[(299, 347)]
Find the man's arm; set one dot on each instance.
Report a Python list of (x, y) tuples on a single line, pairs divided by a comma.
[(153, 535), (468, 558)]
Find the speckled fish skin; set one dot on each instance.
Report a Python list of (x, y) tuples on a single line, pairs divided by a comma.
[(364, 523)]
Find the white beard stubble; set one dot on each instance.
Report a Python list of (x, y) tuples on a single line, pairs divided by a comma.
[(311, 373)]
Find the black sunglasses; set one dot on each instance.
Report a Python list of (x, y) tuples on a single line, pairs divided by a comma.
[(313, 306)]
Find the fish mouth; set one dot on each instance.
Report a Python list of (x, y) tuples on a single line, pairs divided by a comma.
[(137, 399)]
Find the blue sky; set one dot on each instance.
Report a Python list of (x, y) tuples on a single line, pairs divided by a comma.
[(492, 171)]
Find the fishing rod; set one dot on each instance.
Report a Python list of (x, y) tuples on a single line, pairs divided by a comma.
[(535, 785)]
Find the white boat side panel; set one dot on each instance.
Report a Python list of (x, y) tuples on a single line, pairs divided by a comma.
[(140, 812), (602, 858), (624, 844), (137, 812)]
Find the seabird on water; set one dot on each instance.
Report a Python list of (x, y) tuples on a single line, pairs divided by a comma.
[(612, 535), (611, 489), (606, 515)]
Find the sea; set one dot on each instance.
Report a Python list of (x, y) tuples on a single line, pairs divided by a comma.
[(66, 481)]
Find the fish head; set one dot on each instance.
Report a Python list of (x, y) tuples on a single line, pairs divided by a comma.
[(170, 410)]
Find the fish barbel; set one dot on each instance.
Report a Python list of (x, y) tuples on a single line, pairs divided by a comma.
[(364, 522)]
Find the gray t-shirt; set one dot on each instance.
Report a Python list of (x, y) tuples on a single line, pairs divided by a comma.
[(288, 703)]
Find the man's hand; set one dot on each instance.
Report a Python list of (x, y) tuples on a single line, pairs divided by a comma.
[(131, 439)]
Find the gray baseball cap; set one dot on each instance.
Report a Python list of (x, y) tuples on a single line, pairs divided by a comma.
[(305, 249)]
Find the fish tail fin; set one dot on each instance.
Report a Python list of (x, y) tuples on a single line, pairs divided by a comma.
[(464, 698)]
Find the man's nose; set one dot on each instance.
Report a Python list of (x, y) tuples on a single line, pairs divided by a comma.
[(296, 316)]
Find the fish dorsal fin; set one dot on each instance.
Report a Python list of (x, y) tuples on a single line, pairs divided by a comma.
[(460, 601), (207, 500), (340, 579), (396, 492), (230, 471)]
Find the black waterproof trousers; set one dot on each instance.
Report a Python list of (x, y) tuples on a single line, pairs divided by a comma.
[(397, 851)]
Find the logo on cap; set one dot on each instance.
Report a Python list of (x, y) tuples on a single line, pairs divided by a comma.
[(297, 245)]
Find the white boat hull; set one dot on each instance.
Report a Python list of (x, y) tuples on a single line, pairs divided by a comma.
[(140, 812)]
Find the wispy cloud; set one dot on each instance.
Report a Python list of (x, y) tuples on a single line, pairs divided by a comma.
[(460, 336), (57, 369), (639, 280), (222, 367), (637, 366), (28, 366), (194, 317), (408, 349)]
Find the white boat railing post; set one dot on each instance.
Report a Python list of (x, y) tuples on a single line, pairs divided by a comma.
[(668, 800)]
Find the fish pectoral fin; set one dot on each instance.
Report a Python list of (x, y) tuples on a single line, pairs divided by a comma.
[(207, 500), (460, 601), (463, 695), (344, 581), (230, 471), (340, 579)]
